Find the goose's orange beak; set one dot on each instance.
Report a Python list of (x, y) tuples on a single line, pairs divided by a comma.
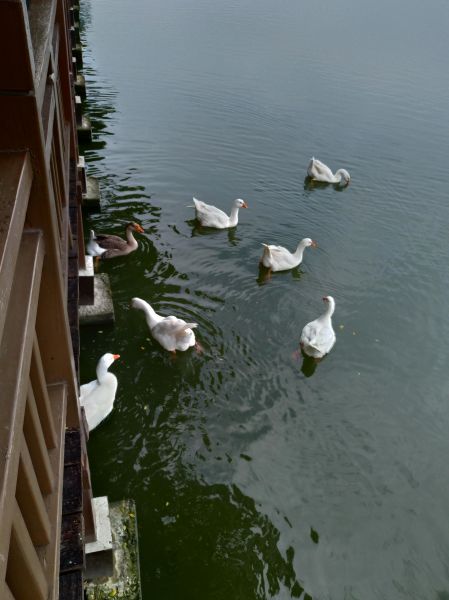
[(314, 244), (116, 356), (140, 229), (244, 205)]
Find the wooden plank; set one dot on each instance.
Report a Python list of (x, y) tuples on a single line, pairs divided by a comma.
[(41, 16), (16, 54), (39, 385), (71, 585), (30, 500), (58, 398), (72, 448), (25, 575), (7, 593), (16, 176), (36, 443), (15, 358), (72, 543)]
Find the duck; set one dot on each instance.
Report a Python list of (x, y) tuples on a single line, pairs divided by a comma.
[(321, 172), (109, 246), (318, 336), (278, 258), (211, 216), (97, 397), (172, 333)]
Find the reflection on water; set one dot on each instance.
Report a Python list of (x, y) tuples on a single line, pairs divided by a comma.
[(234, 536)]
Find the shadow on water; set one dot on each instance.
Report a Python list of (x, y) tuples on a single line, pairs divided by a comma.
[(199, 230), (310, 185), (266, 276)]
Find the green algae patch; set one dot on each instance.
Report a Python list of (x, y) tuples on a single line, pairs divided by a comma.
[(125, 581)]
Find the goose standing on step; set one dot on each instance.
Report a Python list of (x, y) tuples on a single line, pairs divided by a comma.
[(93, 248), (97, 397), (278, 258), (318, 171), (109, 246), (171, 333), (318, 337), (211, 216)]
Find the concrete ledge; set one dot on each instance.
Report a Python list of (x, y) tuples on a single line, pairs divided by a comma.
[(80, 86), (124, 584), (101, 312), (99, 555), (84, 130), (92, 197)]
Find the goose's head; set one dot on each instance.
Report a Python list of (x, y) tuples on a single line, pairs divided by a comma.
[(239, 203), (329, 302), (135, 227), (306, 242), (107, 359), (345, 177)]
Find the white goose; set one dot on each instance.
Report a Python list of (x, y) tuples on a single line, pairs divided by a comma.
[(211, 216), (321, 172), (318, 337), (97, 397), (93, 248), (171, 333), (278, 258)]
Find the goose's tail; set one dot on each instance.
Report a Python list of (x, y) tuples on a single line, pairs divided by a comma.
[(266, 250)]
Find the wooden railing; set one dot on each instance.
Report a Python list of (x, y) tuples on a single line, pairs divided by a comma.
[(40, 232)]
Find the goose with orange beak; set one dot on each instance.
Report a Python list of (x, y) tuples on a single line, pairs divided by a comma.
[(110, 246), (278, 258), (211, 216), (97, 397), (318, 336)]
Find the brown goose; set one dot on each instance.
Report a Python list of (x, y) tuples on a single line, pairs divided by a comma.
[(110, 246)]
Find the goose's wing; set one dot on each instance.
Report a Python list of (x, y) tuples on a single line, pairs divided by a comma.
[(209, 215), (87, 388), (174, 334), (278, 251), (111, 242), (173, 326), (319, 171), (318, 335)]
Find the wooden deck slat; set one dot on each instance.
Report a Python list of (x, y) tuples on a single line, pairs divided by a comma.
[(7, 593), (71, 585), (15, 358), (31, 502), (25, 575), (15, 183), (36, 443), (72, 544), (39, 385)]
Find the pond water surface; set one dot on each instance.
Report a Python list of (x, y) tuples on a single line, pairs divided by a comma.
[(255, 476)]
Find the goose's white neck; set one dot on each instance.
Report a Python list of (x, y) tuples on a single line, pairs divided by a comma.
[(329, 311), (102, 371), (300, 250), (234, 217), (151, 316)]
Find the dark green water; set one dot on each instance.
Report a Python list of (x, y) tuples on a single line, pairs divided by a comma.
[(255, 478)]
